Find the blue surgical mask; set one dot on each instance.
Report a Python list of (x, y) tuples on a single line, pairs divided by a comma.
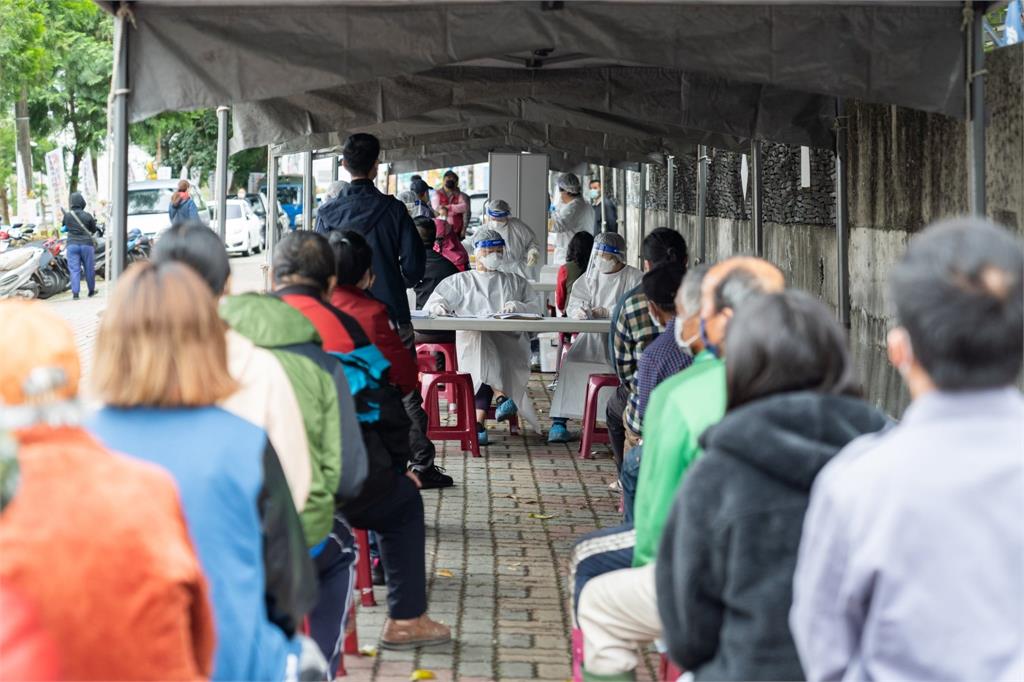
[(714, 350), (595, 193)]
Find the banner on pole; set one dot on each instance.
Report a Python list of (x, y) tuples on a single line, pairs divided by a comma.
[(26, 207), (56, 179), (87, 181)]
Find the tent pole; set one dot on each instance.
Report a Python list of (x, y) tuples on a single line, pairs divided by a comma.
[(119, 128), (600, 205), (643, 207), (976, 83), (670, 178), (842, 219), (308, 191), (623, 184), (220, 183), (272, 219), (702, 201), (756, 200), (337, 167)]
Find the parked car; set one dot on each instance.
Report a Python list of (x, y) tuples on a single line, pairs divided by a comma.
[(258, 204), (476, 210), (148, 202), (242, 228)]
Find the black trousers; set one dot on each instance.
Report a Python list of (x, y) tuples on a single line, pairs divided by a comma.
[(421, 448), (397, 518), (613, 417)]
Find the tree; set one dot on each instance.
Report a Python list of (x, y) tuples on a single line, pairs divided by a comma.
[(6, 167), (23, 59)]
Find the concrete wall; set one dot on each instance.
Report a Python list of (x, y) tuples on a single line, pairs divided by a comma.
[(906, 169)]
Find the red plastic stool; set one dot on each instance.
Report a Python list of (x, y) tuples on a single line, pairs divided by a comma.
[(351, 645), (465, 428), (667, 670), (364, 576), (592, 433), (426, 362), (513, 421)]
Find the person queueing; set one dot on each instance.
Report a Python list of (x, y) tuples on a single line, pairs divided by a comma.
[(182, 208), (160, 369), (571, 215), (353, 259), (499, 362), (81, 226), (95, 543), (437, 268), (521, 252), (593, 297), (577, 258), (911, 563)]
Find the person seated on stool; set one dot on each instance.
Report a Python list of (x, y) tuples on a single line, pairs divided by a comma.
[(499, 362)]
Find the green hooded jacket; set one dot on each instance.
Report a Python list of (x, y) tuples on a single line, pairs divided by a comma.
[(273, 324)]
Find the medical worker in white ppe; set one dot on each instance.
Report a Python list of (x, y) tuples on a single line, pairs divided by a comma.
[(499, 362), (521, 252), (572, 214), (593, 297)]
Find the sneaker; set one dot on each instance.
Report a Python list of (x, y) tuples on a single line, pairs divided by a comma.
[(402, 635), (481, 434), (74, 297), (377, 572), (92, 293), (615, 486), (559, 434), (505, 410), (434, 477)]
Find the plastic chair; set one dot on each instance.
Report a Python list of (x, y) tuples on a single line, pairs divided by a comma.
[(464, 430), (577, 655), (364, 576), (426, 362), (513, 421), (592, 433)]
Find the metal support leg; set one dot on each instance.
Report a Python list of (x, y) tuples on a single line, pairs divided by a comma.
[(643, 207), (670, 179), (308, 191), (272, 218), (976, 83), (119, 178), (756, 200), (622, 191), (220, 184), (702, 201), (600, 205), (842, 220)]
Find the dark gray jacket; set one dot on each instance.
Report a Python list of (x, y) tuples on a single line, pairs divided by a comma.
[(725, 568), (80, 224)]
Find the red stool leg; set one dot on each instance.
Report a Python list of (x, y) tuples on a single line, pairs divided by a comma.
[(589, 421), (513, 425), (351, 645), (467, 417), (364, 576)]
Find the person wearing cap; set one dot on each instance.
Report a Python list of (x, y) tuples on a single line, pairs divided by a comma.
[(417, 204), (499, 362), (85, 524), (521, 252), (452, 205), (422, 191), (593, 297), (572, 214)]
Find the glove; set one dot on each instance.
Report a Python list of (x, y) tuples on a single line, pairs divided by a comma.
[(531, 257), (579, 314), (599, 313), (440, 309), (509, 307)]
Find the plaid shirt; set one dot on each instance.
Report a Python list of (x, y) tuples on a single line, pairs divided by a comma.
[(632, 331), (662, 358)]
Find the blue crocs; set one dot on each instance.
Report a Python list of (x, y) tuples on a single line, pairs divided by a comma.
[(505, 410), (558, 433), (481, 435)]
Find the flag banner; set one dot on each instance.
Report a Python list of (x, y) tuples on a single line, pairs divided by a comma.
[(57, 179), (87, 181)]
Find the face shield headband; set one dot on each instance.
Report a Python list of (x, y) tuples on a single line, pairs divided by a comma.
[(498, 214), (489, 244)]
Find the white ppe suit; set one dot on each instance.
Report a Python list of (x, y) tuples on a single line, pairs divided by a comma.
[(566, 221), (519, 241)]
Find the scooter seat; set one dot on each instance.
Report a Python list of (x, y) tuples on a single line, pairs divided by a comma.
[(11, 260)]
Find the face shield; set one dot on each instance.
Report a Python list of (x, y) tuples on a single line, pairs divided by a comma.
[(489, 250), (497, 212), (608, 255)]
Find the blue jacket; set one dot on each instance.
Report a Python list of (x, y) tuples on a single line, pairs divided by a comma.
[(183, 212), (398, 257), (217, 460)]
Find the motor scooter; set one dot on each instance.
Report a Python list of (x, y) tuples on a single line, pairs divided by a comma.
[(17, 272)]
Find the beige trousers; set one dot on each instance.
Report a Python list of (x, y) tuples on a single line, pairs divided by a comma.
[(618, 612)]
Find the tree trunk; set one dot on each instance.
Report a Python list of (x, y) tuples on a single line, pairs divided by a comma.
[(76, 162), (5, 209), (24, 147), (159, 150)]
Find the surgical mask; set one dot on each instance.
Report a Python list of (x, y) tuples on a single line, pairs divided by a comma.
[(706, 341), (449, 184), (685, 345), (595, 193), (491, 261), (606, 266)]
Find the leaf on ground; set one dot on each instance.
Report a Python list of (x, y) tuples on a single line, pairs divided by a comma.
[(368, 650), (444, 573), (542, 517), (422, 675), (522, 500)]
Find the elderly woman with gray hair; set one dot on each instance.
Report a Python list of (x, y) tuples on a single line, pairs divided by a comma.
[(332, 193)]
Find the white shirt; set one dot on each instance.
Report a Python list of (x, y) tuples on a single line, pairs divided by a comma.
[(911, 563)]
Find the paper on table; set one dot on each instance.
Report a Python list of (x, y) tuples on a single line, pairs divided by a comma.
[(516, 316), (418, 313)]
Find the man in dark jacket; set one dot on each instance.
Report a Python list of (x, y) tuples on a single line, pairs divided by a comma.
[(386, 224), (436, 269), (81, 251)]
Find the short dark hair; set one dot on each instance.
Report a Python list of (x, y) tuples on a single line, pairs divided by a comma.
[(427, 230), (661, 284), (789, 341), (663, 245), (352, 255), (958, 293), (360, 152), (595, 181), (198, 247), (578, 251), (304, 254)]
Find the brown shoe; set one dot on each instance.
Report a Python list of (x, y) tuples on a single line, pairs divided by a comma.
[(402, 635)]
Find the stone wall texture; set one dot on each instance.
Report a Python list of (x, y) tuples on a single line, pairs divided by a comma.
[(906, 169)]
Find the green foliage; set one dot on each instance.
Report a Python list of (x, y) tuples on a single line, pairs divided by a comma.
[(23, 56), (245, 162)]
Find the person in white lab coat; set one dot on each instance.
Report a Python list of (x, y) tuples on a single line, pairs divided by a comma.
[(593, 296), (572, 214), (499, 362), (521, 252)]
